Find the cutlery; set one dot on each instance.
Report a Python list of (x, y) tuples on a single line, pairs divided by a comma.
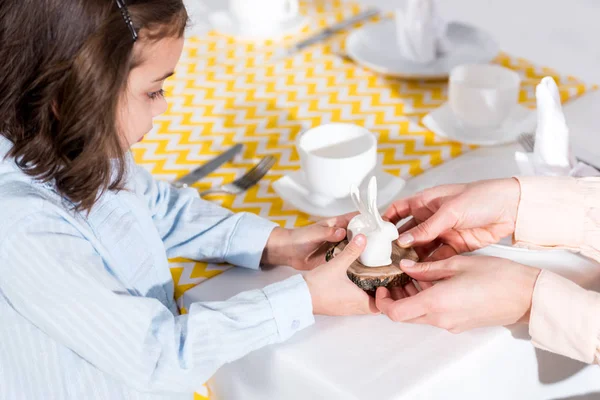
[(245, 182), (326, 33), (527, 140), (343, 56), (207, 168)]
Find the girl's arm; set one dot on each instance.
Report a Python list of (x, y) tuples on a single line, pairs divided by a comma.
[(55, 279), (193, 228)]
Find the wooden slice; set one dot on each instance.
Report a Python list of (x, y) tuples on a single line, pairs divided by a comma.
[(370, 278)]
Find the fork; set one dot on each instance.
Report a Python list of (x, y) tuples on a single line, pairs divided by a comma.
[(343, 56), (246, 181), (527, 140)]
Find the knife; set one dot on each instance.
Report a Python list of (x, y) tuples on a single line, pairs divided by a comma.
[(207, 168), (326, 33)]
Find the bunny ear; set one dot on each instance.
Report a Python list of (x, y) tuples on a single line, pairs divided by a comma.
[(374, 211), (355, 195)]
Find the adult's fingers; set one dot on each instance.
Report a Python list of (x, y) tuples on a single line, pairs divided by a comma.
[(411, 289), (397, 292), (404, 309), (427, 249), (431, 271), (424, 285), (428, 230), (398, 210), (443, 253)]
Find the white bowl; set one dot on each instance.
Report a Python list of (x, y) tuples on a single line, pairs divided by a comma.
[(483, 95), (335, 156)]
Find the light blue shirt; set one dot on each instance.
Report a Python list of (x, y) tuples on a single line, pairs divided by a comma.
[(86, 301)]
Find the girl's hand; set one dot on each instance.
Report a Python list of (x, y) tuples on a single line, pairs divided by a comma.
[(472, 292), (332, 292), (305, 248)]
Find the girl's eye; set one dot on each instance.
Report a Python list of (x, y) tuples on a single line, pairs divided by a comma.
[(156, 95)]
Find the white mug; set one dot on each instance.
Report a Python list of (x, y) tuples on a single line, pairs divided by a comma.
[(263, 11), (334, 157), (482, 96)]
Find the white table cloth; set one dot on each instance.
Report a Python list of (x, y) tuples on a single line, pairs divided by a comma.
[(374, 358)]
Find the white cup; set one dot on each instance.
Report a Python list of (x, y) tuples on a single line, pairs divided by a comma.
[(482, 96), (263, 11), (334, 157)]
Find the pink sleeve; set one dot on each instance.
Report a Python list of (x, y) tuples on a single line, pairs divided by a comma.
[(562, 212)]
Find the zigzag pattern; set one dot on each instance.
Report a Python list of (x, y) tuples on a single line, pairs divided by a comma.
[(226, 92)]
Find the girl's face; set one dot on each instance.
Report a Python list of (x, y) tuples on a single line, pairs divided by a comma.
[(144, 97)]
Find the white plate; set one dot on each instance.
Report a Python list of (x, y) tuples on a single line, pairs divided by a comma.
[(443, 122), (292, 189), (225, 23), (375, 47)]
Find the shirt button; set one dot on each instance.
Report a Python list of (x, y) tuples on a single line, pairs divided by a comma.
[(295, 324)]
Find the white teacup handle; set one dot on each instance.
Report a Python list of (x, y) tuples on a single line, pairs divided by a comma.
[(292, 7)]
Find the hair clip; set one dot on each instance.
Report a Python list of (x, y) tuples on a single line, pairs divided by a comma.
[(125, 13)]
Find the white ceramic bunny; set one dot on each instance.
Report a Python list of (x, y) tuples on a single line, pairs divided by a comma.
[(380, 234)]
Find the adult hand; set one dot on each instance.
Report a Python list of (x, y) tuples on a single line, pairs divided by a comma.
[(331, 290), (460, 218), (472, 292)]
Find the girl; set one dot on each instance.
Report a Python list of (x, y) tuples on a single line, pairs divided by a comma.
[(86, 296)]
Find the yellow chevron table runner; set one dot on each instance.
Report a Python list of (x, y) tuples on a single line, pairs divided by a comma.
[(225, 92)]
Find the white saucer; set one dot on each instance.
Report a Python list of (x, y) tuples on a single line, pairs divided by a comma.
[(292, 189), (225, 23), (443, 122), (375, 47)]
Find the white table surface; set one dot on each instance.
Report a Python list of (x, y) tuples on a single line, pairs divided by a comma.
[(371, 357), (353, 358)]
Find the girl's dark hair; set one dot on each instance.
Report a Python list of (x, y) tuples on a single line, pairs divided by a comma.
[(64, 65)]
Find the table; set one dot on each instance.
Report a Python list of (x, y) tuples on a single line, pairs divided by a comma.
[(559, 33), (222, 95), (223, 92), (403, 361)]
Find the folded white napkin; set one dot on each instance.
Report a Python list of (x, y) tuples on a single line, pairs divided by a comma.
[(421, 32), (552, 155)]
